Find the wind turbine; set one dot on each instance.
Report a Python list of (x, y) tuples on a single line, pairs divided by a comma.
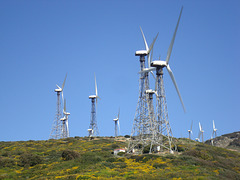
[(117, 125), (164, 128), (214, 133), (56, 128), (201, 131), (159, 64), (190, 131), (93, 129), (66, 117), (141, 123)]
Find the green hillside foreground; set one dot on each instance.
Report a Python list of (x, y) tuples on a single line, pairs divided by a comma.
[(81, 158)]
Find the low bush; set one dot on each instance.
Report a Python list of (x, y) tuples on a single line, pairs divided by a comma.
[(28, 159), (69, 155), (6, 162)]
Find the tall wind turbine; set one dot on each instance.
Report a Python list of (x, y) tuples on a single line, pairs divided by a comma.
[(201, 131), (57, 127), (161, 107), (190, 131), (93, 128), (117, 124), (141, 123)]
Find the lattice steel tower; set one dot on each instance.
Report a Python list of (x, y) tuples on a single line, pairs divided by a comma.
[(141, 131), (164, 129), (93, 128), (56, 132)]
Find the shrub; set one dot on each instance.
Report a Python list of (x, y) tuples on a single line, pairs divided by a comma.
[(6, 162), (127, 136), (159, 166), (115, 146), (28, 159), (120, 153), (69, 155)]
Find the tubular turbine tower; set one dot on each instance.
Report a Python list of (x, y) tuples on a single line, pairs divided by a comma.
[(142, 123), (56, 132)]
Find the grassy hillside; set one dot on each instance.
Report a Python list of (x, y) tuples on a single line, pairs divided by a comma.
[(79, 158)]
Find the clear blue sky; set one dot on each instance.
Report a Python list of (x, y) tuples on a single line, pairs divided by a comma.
[(42, 40)]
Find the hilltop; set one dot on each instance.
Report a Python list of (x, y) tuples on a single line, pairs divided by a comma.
[(81, 158), (230, 141)]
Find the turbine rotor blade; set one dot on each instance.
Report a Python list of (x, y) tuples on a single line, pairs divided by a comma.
[(153, 75), (64, 105), (175, 84), (58, 87), (213, 125), (173, 39), (96, 92), (145, 42), (200, 128), (191, 125), (118, 113), (64, 81), (151, 46)]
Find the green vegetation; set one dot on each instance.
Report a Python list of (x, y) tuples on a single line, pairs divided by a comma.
[(81, 158)]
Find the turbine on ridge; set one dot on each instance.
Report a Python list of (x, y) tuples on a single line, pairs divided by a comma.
[(93, 128), (56, 132)]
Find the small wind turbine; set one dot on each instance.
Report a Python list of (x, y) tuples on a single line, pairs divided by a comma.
[(190, 131), (56, 128), (60, 89), (214, 133), (116, 121), (201, 131)]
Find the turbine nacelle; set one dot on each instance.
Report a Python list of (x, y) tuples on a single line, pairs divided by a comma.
[(58, 89), (92, 97), (159, 63), (141, 53), (63, 119), (66, 113), (115, 119)]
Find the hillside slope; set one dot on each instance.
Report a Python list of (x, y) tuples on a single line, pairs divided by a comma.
[(80, 158), (230, 141)]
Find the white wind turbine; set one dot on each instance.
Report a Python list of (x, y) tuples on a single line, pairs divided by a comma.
[(201, 131), (147, 52), (66, 115), (56, 131), (214, 133), (190, 131), (60, 89), (93, 129), (117, 124), (160, 64)]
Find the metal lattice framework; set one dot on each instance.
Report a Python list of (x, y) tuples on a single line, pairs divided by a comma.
[(93, 128), (164, 130), (57, 126), (143, 132)]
